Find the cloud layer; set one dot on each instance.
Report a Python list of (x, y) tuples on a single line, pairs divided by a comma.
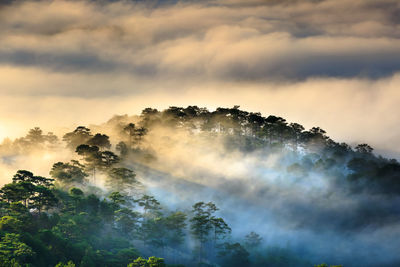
[(331, 63), (219, 40)]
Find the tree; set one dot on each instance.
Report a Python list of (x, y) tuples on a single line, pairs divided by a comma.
[(42, 198), (149, 117), (68, 264), (28, 188), (221, 228), (152, 223), (10, 224), (35, 136), (23, 176), (297, 130), (122, 148), (89, 153), (130, 130), (76, 192), (151, 262), (79, 136), (27, 176), (253, 240), (203, 222), (139, 262), (51, 138), (149, 203), (155, 262), (13, 251), (234, 255), (117, 198), (175, 224), (255, 121), (43, 181), (69, 173), (122, 180), (100, 140), (153, 231), (125, 255), (314, 138), (91, 156), (135, 133), (127, 220), (326, 265), (107, 159), (139, 133), (364, 149), (15, 192)]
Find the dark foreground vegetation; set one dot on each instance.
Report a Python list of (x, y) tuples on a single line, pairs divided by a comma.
[(94, 211)]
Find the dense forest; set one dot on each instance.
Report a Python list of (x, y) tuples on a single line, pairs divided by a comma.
[(193, 187)]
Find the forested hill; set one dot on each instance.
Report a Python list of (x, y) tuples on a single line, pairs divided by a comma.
[(193, 187)]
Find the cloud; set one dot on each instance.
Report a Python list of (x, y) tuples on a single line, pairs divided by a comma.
[(351, 110), (213, 40), (332, 63)]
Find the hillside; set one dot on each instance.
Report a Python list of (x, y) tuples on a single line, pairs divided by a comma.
[(194, 187)]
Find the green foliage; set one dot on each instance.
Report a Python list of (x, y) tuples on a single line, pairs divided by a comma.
[(68, 264), (201, 223), (10, 224), (122, 180), (117, 198), (13, 251), (42, 198), (155, 262), (326, 265), (175, 224), (149, 204), (69, 173), (205, 226), (127, 220), (34, 191), (139, 262), (151, 262), (46, 225), (234, 255), (96, 159)]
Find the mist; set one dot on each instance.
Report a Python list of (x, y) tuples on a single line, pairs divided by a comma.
[(277, 57), (312, 196), (296, 199)]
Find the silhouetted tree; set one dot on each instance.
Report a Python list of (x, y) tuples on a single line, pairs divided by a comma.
[(77, 137), (364, 149), (100, 140), (69, 173)]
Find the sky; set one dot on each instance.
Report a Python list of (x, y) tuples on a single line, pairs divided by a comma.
[(328, 63)]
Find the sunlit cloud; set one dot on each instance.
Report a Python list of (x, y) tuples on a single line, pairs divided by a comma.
[(312, 61)]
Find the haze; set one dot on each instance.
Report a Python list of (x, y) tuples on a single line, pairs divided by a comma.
[(333, 64)]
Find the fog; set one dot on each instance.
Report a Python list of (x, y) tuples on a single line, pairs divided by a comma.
[(310, 210), (327, 63)]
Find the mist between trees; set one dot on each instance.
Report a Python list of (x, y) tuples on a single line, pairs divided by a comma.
[(192, 187)]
